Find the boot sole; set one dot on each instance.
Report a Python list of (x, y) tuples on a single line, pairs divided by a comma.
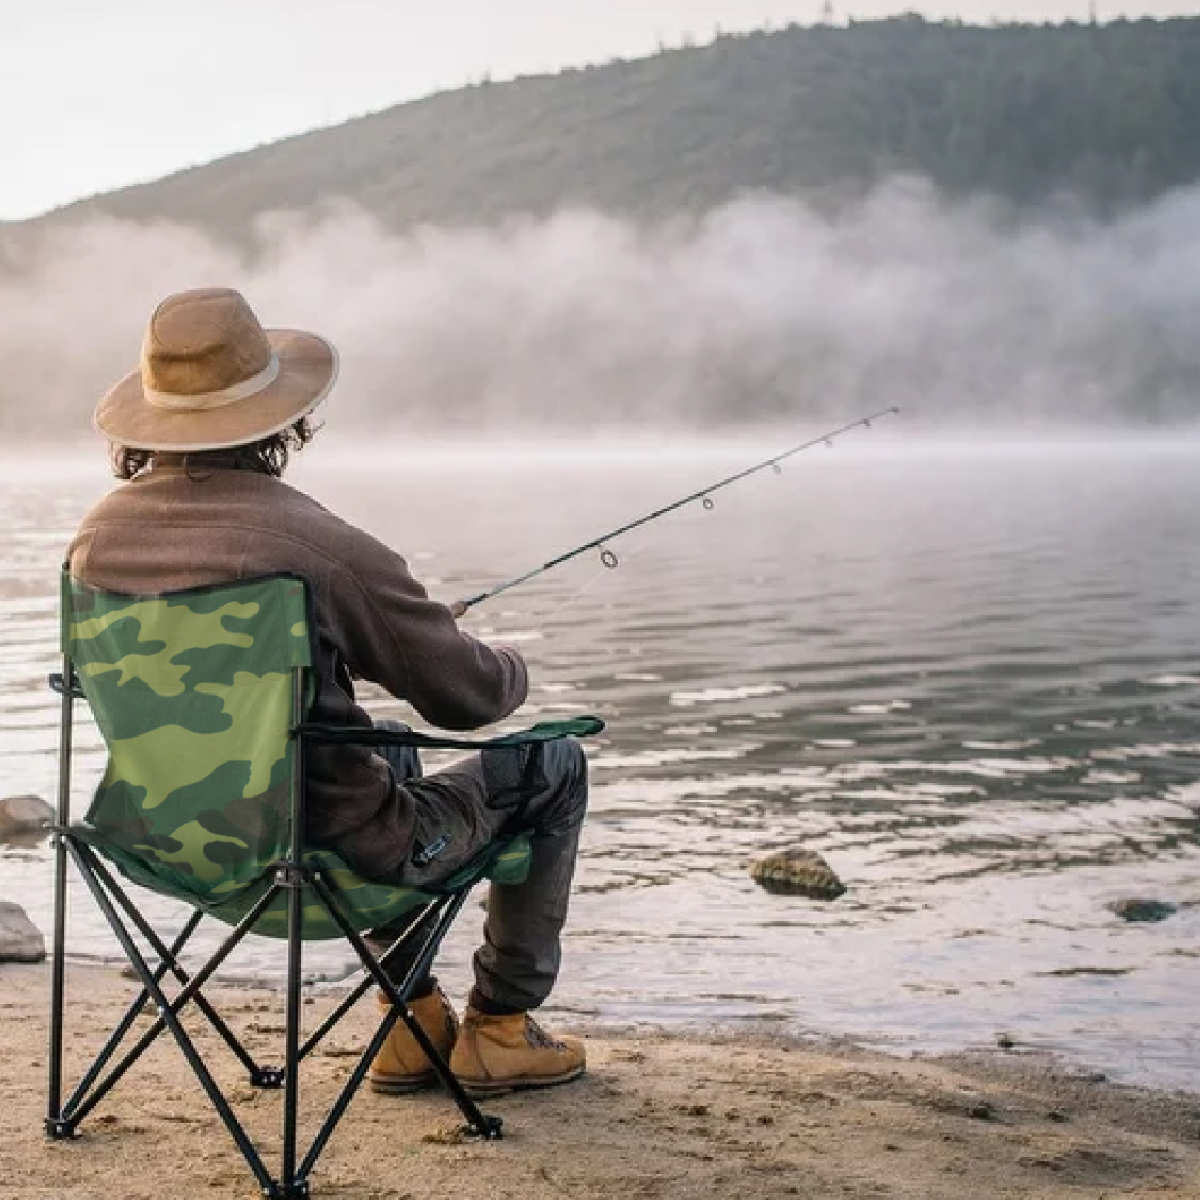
[(401, 1085), (498, 1087)]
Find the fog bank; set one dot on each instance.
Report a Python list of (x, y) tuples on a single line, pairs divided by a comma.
[(759, 311)]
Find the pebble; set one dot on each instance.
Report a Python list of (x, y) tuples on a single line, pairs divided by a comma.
[(1139, 908)]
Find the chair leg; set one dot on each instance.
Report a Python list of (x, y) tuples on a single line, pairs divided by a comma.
[(55, 1126), (477, 1123), (54, 1059), (168, 1016), (360, 990), (169, 960), (349, 1090), (78, 1110), (125, 1024), (292, 1187), (292, 1184)]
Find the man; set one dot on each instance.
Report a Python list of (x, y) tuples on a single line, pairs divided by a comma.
[(201, 435)]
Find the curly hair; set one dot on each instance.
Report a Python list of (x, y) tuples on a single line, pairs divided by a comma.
[(268, 456)]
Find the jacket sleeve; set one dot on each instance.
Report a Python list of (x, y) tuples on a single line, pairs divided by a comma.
[(393, 634)]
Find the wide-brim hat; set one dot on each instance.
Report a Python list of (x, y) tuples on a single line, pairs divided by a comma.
[(212, 377)]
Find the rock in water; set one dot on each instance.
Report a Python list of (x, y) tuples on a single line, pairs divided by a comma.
[(1138, 908), (20, 938), (24, 814), (797, 873)]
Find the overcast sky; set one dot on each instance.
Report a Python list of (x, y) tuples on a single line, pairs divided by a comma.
[(95, 94)]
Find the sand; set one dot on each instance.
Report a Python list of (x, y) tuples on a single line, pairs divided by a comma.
[(656, 1116)]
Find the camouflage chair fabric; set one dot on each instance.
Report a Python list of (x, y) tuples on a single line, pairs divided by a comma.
[(194, 693)]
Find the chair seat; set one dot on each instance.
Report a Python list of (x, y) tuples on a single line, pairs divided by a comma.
[(365, 903)]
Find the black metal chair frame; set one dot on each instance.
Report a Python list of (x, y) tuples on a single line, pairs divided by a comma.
[(290, 876)]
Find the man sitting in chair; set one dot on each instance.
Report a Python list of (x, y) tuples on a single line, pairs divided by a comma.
[(201, 435)]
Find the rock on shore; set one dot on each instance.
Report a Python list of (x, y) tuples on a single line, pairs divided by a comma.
[(24, 814), (20, 938), (798, 873), (1142, 908)]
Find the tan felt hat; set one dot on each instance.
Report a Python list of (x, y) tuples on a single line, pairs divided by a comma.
[(212, 377)]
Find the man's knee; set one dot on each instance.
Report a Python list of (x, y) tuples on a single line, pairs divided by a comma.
[(545, 783), (404, 760), (564, 766)]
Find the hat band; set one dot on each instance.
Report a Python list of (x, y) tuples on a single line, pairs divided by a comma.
[(197, 401)]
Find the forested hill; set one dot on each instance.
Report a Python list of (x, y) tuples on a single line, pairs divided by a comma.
[(1108, 112)]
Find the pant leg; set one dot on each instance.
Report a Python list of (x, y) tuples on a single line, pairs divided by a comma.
[(470, 805), (405, 762), (518, 963)]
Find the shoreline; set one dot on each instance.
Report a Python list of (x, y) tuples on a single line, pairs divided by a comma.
[(658, 1115)]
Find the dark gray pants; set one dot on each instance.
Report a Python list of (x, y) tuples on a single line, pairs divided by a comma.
[(470, 804)]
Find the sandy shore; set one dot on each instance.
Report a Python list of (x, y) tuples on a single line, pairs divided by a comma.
[(655, 1117)]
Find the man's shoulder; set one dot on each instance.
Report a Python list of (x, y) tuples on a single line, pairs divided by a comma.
[(274, 509), (256, 504), (309, 521)]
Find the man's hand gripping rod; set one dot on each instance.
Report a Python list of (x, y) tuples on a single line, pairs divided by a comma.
[(609, 559)]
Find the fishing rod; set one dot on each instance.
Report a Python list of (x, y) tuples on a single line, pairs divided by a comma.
[(704, 495)]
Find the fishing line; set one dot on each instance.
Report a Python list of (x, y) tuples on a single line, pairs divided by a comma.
[(605, 570), (609, 557)]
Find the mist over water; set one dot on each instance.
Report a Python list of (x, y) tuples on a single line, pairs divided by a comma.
[(965, 670), (761, 310)]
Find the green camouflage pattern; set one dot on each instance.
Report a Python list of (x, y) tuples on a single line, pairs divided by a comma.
[(193, 692)]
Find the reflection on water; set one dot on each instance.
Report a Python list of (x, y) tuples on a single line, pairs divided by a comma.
[(970, 680)]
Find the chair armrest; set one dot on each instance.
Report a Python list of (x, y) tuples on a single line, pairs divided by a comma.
[(367, 735)]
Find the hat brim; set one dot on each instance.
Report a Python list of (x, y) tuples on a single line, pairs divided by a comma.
[(308, 367)]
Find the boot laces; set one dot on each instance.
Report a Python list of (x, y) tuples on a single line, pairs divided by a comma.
[(538, 1038)]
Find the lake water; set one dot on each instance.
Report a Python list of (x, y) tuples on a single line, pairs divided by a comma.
[(968, 674)]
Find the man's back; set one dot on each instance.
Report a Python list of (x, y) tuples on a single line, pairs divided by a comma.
[(173, 528)]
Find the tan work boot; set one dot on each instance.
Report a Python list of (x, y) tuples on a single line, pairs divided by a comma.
[(503, 1054), (401, 1065)]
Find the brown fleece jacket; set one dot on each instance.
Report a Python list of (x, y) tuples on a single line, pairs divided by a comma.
[(169, 529)]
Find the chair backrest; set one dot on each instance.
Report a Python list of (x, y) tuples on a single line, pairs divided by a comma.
[(195, 695)]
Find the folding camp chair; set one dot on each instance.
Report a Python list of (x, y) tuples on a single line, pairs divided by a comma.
[(201, 697)]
